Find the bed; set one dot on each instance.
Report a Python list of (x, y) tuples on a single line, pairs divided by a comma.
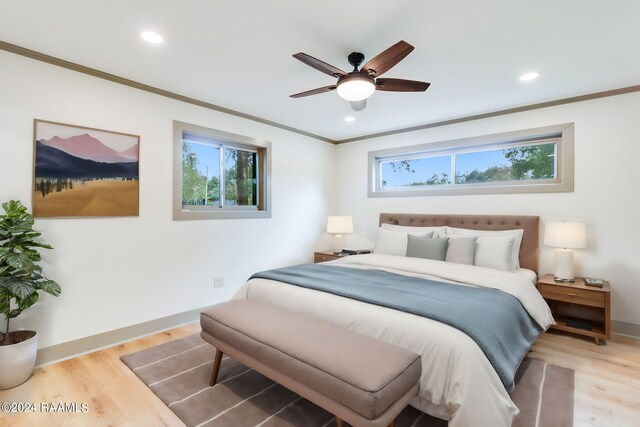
[(459, 383)]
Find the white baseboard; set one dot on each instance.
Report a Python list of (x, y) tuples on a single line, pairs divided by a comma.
[(67, 350), (625, 328)]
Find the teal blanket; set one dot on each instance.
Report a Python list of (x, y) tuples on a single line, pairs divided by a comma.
[(495, 320)]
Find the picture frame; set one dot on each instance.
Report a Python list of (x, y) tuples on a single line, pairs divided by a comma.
[(81, 171)]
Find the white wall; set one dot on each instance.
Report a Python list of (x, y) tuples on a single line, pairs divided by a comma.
[(606, 196), (116, 272)]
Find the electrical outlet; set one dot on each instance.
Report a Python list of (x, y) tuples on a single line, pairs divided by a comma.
[(218, 282)]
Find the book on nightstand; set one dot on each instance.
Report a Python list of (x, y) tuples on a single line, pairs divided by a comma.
[(579, 323), (355, 251), (598, 283)]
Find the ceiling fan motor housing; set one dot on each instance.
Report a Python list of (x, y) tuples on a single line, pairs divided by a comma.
[(355, 59)]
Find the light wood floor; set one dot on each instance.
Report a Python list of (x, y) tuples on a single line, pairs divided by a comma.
[(607, 384)]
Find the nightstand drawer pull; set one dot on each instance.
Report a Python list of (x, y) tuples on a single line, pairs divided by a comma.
[(571, 295)]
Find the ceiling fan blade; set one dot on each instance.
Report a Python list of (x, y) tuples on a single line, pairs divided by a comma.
[(387, 59), (314, 91), (359, 105), (401, 85), (319, 65)]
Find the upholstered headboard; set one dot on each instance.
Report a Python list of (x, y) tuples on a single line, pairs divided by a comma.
[(530, 225)]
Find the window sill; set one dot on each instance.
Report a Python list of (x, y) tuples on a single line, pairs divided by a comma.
[(220, 214), (482, 188)]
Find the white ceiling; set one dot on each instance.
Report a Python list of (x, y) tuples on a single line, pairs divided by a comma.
[(237, 54)]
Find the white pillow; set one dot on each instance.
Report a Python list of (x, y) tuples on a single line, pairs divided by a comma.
[(461, 249), (516, 233), (409, 229), (394, 242), (494, 252)]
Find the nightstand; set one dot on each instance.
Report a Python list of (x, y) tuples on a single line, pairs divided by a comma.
[(322, 256), (574, 301)]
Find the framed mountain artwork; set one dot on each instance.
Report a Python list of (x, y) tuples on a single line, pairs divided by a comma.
[(84, 172)]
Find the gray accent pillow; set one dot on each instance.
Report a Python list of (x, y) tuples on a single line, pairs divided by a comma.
[(461, 250), (426, 247)]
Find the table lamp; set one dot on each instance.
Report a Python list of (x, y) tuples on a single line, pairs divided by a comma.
[(339, 225), (565, 236)]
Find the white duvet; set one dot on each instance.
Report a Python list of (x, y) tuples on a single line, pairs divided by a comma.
[(458, 383)]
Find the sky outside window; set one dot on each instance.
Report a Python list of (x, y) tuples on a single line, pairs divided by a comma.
[(208, 156), (482, 160), (415, 172)]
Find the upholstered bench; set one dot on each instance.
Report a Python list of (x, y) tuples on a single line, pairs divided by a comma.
[(361, 380)]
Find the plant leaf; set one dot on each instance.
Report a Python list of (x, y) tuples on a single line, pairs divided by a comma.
[(28, 236), (14, 208), (51, 287), (4, 251), (27, 302), (5, 297), (19, 288), (20, 261), (23, 226), (37, 245), (32, 254), (15, 313)]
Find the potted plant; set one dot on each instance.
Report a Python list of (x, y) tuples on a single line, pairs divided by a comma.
[(20, 283)]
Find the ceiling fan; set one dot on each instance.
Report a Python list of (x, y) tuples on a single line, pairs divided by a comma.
[(359, 84)]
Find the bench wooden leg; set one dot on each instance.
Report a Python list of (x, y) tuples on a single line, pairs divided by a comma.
[(216, 368), (393, 423)]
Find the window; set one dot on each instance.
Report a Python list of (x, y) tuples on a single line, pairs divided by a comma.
[(219, 174), (535, 160)]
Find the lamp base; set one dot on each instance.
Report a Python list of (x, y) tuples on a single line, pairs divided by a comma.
[(564, 266), (338, 243)]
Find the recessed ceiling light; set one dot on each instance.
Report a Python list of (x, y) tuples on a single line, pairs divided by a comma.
[(152, 37), (529, 76), (349, 119)]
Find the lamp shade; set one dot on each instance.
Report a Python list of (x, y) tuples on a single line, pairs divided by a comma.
[(356, 89), (339, 225), (568, 235)]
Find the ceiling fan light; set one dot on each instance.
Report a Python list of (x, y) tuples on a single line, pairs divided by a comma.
[(356, 89)]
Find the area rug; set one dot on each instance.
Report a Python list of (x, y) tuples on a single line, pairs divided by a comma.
[(178, 373)]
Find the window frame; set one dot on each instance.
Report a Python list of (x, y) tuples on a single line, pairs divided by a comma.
[(224, 140), (562, 134)]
